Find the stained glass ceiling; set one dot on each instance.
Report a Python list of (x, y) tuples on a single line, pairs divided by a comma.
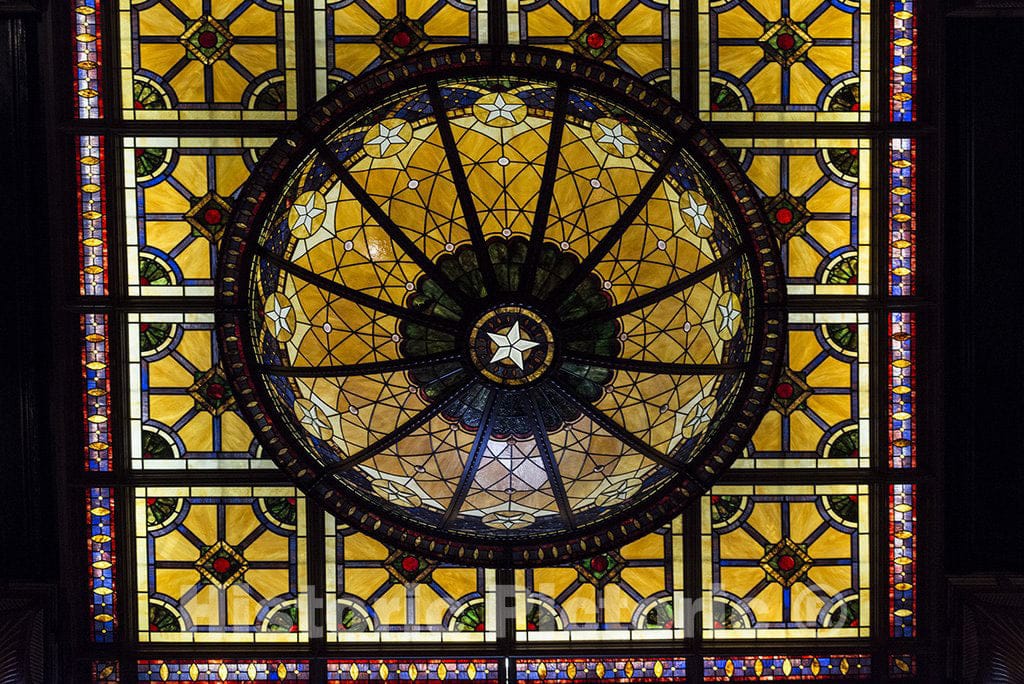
[(512, 308)]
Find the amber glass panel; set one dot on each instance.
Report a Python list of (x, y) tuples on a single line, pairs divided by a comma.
[(221, 564)]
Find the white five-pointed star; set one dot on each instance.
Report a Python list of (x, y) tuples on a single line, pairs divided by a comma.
[(386, 137), (306, 213), (279, 315), (729, 314), (698, 212), (614, 136), (700, 414), (511, 346), (310, 418), (499, 109)]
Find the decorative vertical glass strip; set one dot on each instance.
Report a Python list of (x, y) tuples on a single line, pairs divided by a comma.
[(902, 557), (903, 51), (100, 518), (766, 667), (92, 245), (96, 396), (478, 671), (88, 100), (222, 671), (902, 216), (105, 672), (647, 669), (902, 391)]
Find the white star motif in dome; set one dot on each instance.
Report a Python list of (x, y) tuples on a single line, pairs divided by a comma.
[(699, 213), (621, 491), (279, 316), (700, 414), (310, 418), (499, 109), (306, 213), (386, 137), (729, 315), (614, 136), (511, 346)]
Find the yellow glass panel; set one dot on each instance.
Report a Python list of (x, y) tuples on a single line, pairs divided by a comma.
[(380, 594), (182, 411), (641, 38), (817, 196), (780, 60), (178, 200), (820, 410), (414, 186), (785, 562), (227, 59), (355, 37), (221, 564), (633, 593)]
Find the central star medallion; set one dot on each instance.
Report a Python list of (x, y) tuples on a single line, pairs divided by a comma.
[(511, 345)]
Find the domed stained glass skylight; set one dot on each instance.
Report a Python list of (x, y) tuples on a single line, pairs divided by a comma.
[(501, 306)]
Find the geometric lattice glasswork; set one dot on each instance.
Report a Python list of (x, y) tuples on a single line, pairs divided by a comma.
[(184, 414), (483, 670), (640, 38), (612, 668), (499, 317), (818, 417), (787, 668), (222, 670), (215, 561), (354, 38)]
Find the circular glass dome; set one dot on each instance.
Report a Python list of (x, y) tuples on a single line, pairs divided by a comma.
[(501, 306)]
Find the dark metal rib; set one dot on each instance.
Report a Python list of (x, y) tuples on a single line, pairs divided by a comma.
[(606, 423), (547, 189), (462, 191), (656, 367), (618, 229), (655, 296), (369, 368), (540, 435), (394, 231), (361, 298), (476, 452), (402, 431)]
